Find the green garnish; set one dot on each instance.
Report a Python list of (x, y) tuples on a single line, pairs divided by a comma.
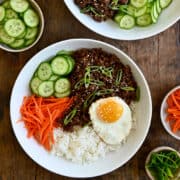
[(89, 100), (127, 88), (138, 93), (164, 165), (114, 5), (79, 84), (97, 82), (118, 77), (87, 77), (69, 117), (104, 92), (91, 9)]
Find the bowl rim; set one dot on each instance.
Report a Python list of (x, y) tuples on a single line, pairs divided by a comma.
[(157, 149), (134, 65), (41, 17), (163, 121), (124, 39)]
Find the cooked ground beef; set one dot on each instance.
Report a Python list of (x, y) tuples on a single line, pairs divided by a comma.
[(99, 10), (96, 61)]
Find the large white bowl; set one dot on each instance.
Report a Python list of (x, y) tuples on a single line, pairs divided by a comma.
[(61, 166), (110, 29)]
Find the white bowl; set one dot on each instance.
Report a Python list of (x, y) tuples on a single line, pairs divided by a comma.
[(110, 29), (164, 114), (41, 29), (158, 149), (113, 160)]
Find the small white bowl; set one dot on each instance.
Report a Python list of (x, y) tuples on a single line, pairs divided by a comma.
[(41, 29), (164, 115), (158, 149), (110, 29)]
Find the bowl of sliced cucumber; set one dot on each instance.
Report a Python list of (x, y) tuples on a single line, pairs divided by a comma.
[(21, 24), (126, 19)]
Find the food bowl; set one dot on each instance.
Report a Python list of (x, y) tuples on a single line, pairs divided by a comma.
[(158, 149), (111, 30), (41, 29), (163, 113), (113, 160)]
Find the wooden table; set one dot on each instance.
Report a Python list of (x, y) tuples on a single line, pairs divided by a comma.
[(158, 57)]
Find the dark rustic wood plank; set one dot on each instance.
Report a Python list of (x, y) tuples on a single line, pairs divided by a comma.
[(158, 57)]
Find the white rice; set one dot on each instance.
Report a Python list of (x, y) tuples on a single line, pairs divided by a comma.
[(82, 145)]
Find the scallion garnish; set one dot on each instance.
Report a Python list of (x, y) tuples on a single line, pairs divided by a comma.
[(69, 117), (118, 77), (127, 88)]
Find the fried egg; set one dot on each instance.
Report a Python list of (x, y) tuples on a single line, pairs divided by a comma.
[(111, 119)]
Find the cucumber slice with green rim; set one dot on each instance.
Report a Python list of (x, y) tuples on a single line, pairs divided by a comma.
[(61, 95), (155, 13), (127, 22), (144, 20), (158, 7), (14, 27), (64, 52), (44, 71), (140, 11), (62, 85), (31, 33), (152, 15), (118, 17), (10, 14), (60, 65), (46, 88), (71, 63), (2, 13), (165, 3), (18, 43), (29, 41), (6, 4), (5, 38), (31, 18), (19, 5), (34, 85), (138, 3), (53, 77)]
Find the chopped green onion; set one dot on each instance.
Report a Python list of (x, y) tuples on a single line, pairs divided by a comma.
[(69, 117), (127, 88), (118, 77), (104, 92), (89, 100), (79, 84)]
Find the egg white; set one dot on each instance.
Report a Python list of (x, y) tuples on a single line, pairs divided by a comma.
[(116, 132)]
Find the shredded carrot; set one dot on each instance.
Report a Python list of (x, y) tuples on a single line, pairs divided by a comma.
[(173, 111), (40, 117)]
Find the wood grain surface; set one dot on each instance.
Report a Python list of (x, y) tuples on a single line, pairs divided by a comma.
[(158, 57)]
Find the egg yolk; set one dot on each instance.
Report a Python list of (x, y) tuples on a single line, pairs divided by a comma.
[(109, 111)]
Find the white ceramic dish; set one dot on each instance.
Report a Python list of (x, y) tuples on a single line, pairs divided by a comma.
[(111, 30), (158, 149), (61, 166), (41, 29), (164, 114)]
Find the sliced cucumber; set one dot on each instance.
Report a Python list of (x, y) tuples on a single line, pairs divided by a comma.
[(31, 33), (5, 38), (118, 17), (165, 3), (11, 14), (61, 95), (29, 41), (2, 13), (21, 36), (14, 27), (44, 71), (71, 63), (152, 15), (138, 3), (31, 18), (46, 88), (127, 22), (62, 85), (60, 65), (6, 4), (19, 5), (53, 77), (144, 20), (34, 84), (140, 11), (158, 7), (64, 52), (18, 43), (155, 13)]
